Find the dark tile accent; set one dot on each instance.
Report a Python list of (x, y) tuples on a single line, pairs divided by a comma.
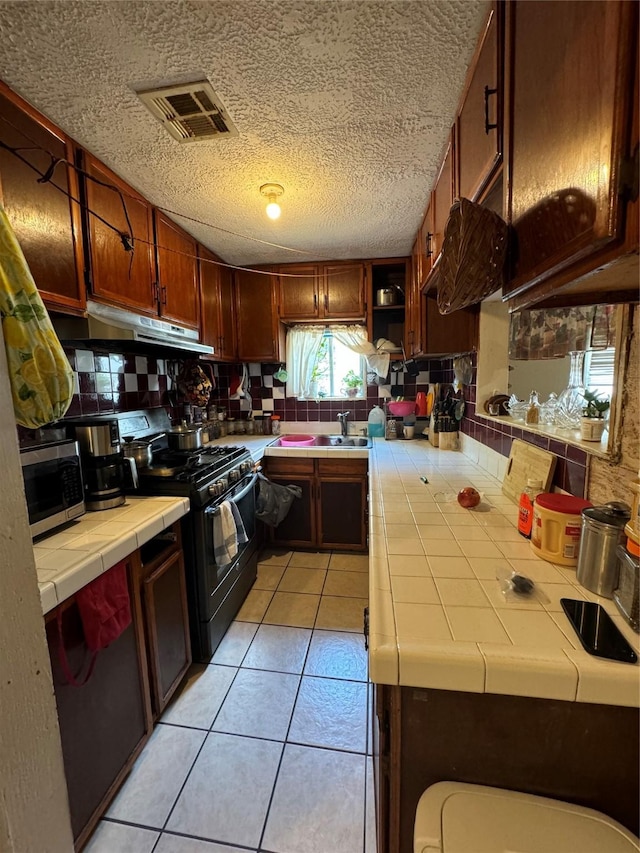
[(505, 445), (557, 447), (106, 402), (89, 404), (576, 454), (143, 382), (539, 440), (575, 478), (559, 473), (75, 408), (87, 383)]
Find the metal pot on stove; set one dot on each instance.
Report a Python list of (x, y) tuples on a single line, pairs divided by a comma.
[(185, 437), (139, 450)]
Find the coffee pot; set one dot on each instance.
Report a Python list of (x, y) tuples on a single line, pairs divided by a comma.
[(107, 471)]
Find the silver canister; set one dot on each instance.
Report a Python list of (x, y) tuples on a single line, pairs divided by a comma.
[(602, 532), (627, 593)]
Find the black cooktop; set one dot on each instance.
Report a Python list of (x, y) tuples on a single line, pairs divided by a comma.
[(194, 466)]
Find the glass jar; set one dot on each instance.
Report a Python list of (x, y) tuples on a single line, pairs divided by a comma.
[(571, 401), (249, 426), (231, 426), (275, 424), (222, 426), (257, 425)]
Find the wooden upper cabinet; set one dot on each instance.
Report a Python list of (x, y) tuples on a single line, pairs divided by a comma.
[(425, 241), (177, 272), (479, 127), (322, 292), (218, 327), (260, 333), (571, 76), (46, 222), (116, 276), (299, 295), (343, 297), (448, 334), (442, 199)]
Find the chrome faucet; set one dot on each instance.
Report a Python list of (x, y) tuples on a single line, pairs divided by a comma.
[(344, 427)]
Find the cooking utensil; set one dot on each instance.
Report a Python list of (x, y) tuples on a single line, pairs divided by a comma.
[(386, 296), (185, 437), (281, 374), (602, 532), (139, 450)]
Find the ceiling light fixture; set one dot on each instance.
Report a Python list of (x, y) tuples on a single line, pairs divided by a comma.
[(272, 192)]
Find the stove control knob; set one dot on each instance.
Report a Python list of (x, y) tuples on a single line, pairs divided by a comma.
[(234, 475), (245, 467)]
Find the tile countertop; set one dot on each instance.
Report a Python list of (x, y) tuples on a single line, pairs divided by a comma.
[(438, 617), (69, 559)]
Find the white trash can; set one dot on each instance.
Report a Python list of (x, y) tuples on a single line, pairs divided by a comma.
[(453, 817)]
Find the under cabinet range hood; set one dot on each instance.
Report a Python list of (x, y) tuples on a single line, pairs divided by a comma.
[(108, 323)]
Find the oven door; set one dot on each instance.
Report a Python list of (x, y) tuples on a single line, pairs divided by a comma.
[(214, 579)]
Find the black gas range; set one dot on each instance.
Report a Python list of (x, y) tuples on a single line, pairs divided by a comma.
[(201, 475), (208, 477)]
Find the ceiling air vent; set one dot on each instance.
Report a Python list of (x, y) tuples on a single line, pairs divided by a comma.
[(190, 112)]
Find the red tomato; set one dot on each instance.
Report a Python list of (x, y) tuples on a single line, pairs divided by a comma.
[(468, 497)]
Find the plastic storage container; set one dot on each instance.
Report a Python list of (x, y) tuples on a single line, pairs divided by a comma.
[(525, 507), (376, 423), (557, 524), (602, 532), (297, 440)]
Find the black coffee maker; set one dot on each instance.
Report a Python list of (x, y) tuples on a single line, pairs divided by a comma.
[(107, 472)]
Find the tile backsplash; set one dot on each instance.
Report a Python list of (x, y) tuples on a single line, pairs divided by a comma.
[(117, 382)]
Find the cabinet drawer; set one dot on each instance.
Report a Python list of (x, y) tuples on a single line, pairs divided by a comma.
[(341, 467), (282, 465)]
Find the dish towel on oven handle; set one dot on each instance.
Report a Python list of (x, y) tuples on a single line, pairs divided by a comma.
[(228, 532)]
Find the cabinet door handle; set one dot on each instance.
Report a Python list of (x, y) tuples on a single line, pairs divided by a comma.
[(155, 291), (429, 249), (487, 125), (325, 301), (315, 301), (163, 295)]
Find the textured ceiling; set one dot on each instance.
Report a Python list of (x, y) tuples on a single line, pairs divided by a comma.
[(346, 104)]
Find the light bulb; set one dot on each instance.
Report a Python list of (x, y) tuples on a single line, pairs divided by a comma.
[(273, 208)]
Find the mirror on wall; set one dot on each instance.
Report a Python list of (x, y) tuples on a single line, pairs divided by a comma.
[(540, 342), (528, 350)]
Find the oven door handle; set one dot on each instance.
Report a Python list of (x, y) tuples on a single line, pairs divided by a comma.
[(245, 491)]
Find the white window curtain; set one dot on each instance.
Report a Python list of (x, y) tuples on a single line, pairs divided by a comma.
[(355, 338), (303, 343)]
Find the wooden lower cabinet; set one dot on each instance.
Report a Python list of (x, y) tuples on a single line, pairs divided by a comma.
[(161, 595), (572, 751), (332, 512), (103, 724)]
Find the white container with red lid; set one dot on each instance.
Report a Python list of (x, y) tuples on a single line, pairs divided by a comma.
[(557, 524)]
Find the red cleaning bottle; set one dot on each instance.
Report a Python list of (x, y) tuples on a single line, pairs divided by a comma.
[(525, 507)]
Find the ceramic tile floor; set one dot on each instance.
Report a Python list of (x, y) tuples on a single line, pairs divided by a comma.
[(268, 747)]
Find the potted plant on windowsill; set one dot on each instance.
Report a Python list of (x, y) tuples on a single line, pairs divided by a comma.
[(593, 420), (351, 384)]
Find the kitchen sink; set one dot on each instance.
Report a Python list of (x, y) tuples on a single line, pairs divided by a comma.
[(342, 441), (336, 441)]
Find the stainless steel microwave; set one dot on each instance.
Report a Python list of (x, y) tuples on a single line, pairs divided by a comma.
[(52, 484)]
